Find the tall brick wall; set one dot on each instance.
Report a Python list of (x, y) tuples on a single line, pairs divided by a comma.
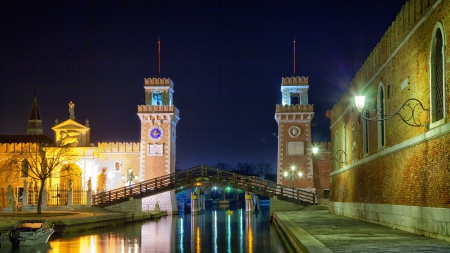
[(412, 169), (418, 176), (322, 167)]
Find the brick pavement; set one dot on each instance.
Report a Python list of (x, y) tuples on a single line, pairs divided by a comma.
[(321, 231)]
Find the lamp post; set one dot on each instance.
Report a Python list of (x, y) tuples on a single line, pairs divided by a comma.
[(410, 105), (130, 178), (292, 174)]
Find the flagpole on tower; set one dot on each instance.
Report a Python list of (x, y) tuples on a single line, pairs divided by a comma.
[(294, 55), (159, 58)]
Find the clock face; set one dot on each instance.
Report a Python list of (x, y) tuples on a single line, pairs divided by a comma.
[(294, 131), (155, 133)]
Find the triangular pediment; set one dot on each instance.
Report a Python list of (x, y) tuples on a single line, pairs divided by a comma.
[(71, 133), (70, 125)]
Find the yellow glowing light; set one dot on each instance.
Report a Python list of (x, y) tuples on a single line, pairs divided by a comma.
[(198, 237), (250, 240)]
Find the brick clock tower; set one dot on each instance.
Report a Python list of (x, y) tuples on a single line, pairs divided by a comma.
[(159, 118), (294, 117)]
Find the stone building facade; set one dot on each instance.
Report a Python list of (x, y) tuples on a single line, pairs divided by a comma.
[(295, 155), (396, 174), (106, 164)]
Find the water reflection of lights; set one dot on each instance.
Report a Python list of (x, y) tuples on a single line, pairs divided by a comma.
[(250, 240), (249, 220), (241, 230), (130, 246), (215, 231), (208, 232), (229, 233), (181, 229), (198, 238)]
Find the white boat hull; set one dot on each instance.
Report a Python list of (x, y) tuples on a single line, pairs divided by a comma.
[(20, 235)]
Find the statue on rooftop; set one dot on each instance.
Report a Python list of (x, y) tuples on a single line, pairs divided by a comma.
[(72, 110)]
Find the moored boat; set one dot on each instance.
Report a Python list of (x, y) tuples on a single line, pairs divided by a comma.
[(27, 233)]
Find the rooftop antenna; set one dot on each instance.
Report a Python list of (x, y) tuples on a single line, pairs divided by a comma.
[(294, 55), (159, 58)]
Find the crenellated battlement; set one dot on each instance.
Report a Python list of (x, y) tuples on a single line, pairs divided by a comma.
[(294, 108), (408, 17), (17, 147), (294, 81), (157, 108), (158, 82), (119, 147), (11, 147)]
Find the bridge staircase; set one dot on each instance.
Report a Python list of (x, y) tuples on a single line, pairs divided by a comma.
[(204, 176)]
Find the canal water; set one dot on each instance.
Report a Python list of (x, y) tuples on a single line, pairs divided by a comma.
[(213, 231)]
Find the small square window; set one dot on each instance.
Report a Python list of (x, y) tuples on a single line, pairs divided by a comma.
[(117, 166), (326, 193)]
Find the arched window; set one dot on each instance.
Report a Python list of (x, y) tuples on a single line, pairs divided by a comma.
[(437, 85), (24, 168), (381, 110)]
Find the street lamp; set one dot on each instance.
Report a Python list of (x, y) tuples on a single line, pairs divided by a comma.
[(131, 178), (340, 156), (292, 174), (410, 105)]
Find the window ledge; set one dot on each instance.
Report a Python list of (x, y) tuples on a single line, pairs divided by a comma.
[(437, 123)]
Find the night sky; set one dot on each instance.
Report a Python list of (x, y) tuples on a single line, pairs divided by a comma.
[(226, 59)]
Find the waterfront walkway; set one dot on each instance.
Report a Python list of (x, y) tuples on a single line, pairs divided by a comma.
[(78, 220), (311, 230), (316, 230)]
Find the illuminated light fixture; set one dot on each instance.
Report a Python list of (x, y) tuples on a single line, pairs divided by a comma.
[(131, 178), (292, 174), (339, 156), (359, 102), (410, 105)]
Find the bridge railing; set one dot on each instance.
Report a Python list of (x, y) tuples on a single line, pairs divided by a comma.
[(200, 174), (252, 183)]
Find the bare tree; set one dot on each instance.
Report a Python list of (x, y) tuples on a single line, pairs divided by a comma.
[(246, 168), (264, 168), (39, 161), (224, 166)]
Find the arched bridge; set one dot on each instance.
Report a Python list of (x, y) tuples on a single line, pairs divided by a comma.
[(201, 176)]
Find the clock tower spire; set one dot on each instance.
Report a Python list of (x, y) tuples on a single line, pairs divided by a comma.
[(294, 116), (159, 118)]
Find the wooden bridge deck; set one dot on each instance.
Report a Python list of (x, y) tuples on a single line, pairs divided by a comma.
[(200, 176)]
